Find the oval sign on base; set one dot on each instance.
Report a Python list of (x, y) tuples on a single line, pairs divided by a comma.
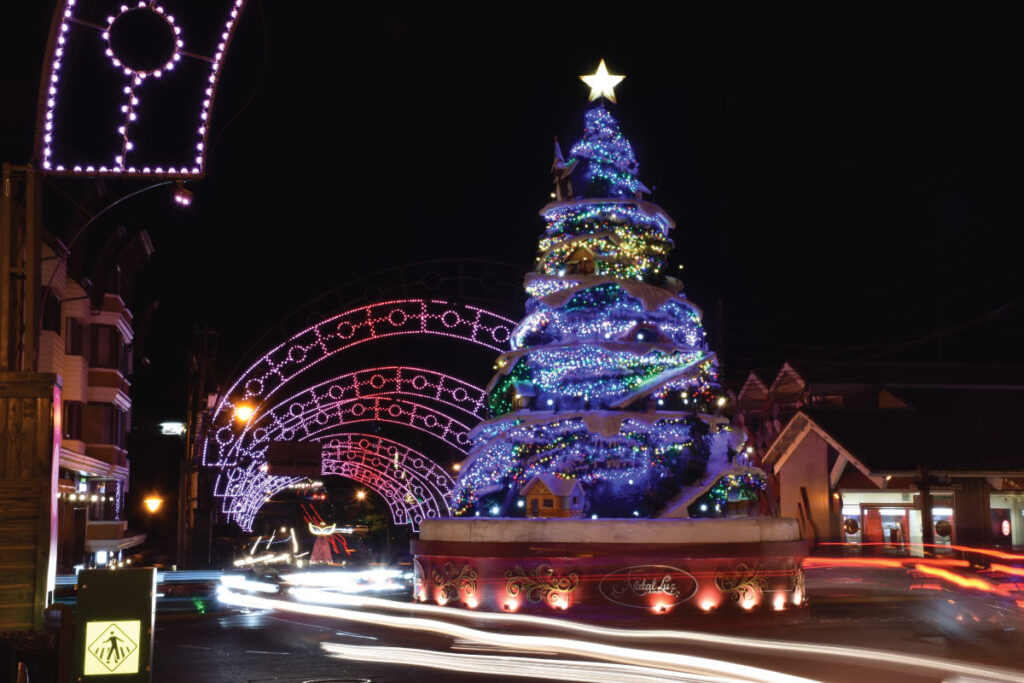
[(634, 586)]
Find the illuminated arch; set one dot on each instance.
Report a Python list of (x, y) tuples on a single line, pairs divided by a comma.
[(413, 397), (312, 425), (414, 486), (395, 380), (247, 486), (286, 362)]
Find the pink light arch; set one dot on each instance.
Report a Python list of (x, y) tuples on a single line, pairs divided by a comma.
[(413, 397)]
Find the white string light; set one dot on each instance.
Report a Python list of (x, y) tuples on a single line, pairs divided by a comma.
[(120, 161)]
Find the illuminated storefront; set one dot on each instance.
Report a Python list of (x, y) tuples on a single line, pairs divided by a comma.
[(856, 476)]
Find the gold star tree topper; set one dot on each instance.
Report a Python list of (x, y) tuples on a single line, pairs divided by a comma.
[(602, 83)]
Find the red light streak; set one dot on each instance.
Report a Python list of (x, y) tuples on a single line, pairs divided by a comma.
[(962, 581), (851, 562), (891, 563), (962, 548), (1006, 569)]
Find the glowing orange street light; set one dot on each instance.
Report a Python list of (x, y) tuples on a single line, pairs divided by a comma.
[(361, 495), (153, 503), (243, 412)]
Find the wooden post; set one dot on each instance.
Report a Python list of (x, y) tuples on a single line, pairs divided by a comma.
[(8, 289), (20, 253), (29, 460)]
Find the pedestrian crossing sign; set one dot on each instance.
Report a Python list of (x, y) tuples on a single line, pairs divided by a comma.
[(112, 647)]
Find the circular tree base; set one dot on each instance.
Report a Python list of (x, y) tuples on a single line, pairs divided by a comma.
[(654, 571)]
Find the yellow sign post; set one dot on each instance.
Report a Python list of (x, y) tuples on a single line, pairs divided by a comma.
[(114, 625), (112, 647)]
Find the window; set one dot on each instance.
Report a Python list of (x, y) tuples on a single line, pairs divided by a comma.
[(106, 347), (77, 340), (116, 425), (549, 502), (104, 424), (72, 420), (50, 317)]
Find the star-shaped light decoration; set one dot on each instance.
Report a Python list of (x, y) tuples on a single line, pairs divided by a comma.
[(602, 83)]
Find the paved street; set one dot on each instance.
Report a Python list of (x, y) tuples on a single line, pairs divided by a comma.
[(268, 646), (275, 645)]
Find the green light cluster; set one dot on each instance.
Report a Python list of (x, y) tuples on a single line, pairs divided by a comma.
[(501, 399)]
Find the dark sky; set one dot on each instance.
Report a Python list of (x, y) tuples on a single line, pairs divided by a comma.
[(845, 178)]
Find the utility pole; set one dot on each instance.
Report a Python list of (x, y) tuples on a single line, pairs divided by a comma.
[(195, 520), (20, 258)]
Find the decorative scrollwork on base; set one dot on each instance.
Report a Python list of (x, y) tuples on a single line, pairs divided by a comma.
[(797, 586), (745, 584), (454, 582), (541, 584)]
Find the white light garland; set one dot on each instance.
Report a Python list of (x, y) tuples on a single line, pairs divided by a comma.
[(120, 164)]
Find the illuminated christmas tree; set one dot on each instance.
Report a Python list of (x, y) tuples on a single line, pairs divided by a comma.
[(609, 380)]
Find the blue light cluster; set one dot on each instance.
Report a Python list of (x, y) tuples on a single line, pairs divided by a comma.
[(594, 372), (538, 287), (606, 312), (605, 157), (636, 455)]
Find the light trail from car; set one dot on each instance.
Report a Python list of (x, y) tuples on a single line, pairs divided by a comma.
[(665, 661), (526, 667), (801, 649)]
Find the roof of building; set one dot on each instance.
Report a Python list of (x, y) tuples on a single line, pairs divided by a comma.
[(943, 429), (558, 486), (904, 374)]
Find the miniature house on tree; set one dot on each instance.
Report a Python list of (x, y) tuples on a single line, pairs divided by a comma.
[(550, 496)]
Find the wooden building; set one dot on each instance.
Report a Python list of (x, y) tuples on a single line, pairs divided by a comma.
[(905, 463)]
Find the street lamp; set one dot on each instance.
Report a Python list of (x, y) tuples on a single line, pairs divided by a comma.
[(361, 497), (153, 503), (181, 195), (244, 411)]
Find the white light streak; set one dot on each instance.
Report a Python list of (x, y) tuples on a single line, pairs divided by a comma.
[(266, 558), (716, 639), (568, 670), (347, 581), (601, 651), (241, 583)]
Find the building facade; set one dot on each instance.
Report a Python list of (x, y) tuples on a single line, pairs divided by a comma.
[(85, 338), (893, 454)]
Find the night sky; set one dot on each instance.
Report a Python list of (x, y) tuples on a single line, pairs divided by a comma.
[(845, 178)]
